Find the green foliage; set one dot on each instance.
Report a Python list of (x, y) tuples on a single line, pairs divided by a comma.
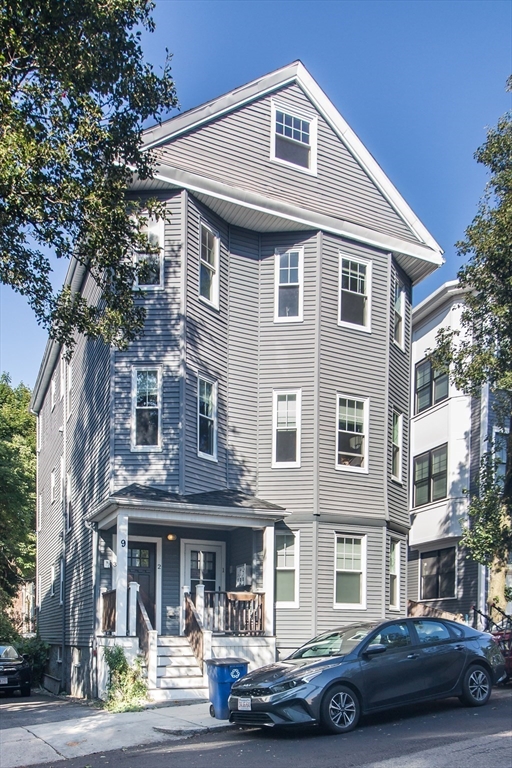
[(488, 536), (17, 487), (8, 631), (127, 690), (74, 95), (37, 652), (481, 353)]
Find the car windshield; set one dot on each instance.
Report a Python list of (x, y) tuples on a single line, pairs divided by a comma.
[(336, 643), (8, 652)]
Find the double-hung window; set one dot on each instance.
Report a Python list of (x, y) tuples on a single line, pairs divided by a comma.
[(352, 434), (499, 447), (350, 572), (287, 569), (207, 418), (288, 285), (430, 476), (437, 574), (52, 486), (286, 431), (293, 138), (355, 292), (431, 386), (399, 313), (150, 261), (69, 514), (146, 420), (396, 457), (209, 265), (394, 574)]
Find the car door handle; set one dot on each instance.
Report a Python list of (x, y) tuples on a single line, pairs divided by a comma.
[(413, 656)]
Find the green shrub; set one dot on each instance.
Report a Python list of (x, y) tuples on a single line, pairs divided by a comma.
[(37, 652), (8, 632), (127, 690)]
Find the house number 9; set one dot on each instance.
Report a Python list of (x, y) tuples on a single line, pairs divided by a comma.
[(123, 542)]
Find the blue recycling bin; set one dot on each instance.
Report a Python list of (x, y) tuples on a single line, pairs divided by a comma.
[(222, 673)]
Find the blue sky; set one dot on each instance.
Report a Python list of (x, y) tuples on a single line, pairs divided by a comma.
[(418, 81)]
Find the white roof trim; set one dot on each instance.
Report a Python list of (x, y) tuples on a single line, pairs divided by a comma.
[(295, 72), (448, 291), (308, 218)]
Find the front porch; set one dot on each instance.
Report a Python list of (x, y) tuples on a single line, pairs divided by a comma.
[(185, 579)]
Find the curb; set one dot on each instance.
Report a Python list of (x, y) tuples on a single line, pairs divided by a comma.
[(192, 731)]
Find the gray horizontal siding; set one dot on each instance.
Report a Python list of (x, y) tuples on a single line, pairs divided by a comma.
[(235, 149), (243, 333), (159, 346), (207, 353), (352, 363)]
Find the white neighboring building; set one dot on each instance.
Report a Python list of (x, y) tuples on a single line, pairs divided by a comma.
[(449, 433)]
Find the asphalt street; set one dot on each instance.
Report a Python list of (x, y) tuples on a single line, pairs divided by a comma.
[(439, 735)]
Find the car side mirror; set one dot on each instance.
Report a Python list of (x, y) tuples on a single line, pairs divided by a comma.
[(25, 656), (375, 649)]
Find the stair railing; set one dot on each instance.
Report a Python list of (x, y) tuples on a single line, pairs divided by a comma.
[(148, 642)]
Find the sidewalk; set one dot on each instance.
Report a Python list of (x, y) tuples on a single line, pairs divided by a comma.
[(52, 742)]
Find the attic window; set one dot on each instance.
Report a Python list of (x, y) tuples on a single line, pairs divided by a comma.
[(294, 139)]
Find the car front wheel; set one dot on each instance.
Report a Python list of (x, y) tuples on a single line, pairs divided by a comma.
[(476, 687), (340, 710), (25, 690)]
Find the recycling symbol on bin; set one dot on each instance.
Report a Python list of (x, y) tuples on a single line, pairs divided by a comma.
[(235, 673)]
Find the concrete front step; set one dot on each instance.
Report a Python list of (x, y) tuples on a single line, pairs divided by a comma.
[(175, 694), (181, 660), (193, 670), (192, 681), (173, 641)]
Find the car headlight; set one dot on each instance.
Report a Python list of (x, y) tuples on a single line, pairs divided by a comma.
[(287, 686)]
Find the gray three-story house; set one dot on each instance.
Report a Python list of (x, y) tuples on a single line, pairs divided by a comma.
[(236, 480)]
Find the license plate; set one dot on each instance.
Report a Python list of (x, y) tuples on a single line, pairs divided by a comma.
[(244, 704), (4, 681)]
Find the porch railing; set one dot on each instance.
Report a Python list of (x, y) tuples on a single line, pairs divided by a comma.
[(234, 613), (108, 612)]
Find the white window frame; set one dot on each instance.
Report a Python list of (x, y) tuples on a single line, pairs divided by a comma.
[(156, 226), (401, 291), (366, 433), (499, 432), (61, 480), (52, 486), (396, 573), (52, 394), (214, 300), (146, 448), (61, 582), (62, 375), (308, 117), (397, 477), (69, 390), (52, 580), (296, 567), (277, 285), (364, 567), (367, 326), (69, 520), (298, 410), (214, 385)]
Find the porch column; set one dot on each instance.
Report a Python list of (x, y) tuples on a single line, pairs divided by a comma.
[(121, 574), (268, 577), (133, 588), (200, 601)]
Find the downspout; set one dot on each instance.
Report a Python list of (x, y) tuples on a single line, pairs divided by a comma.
[(64, 491), (316, 432)]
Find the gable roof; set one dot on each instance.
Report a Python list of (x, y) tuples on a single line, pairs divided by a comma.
[(427, 252)]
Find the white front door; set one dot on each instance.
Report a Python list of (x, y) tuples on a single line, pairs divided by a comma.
[(203, 562)]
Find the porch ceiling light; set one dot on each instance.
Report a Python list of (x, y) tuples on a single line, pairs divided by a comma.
[(171, 537)]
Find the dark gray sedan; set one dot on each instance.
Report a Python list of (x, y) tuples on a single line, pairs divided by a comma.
[(368, 667)]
